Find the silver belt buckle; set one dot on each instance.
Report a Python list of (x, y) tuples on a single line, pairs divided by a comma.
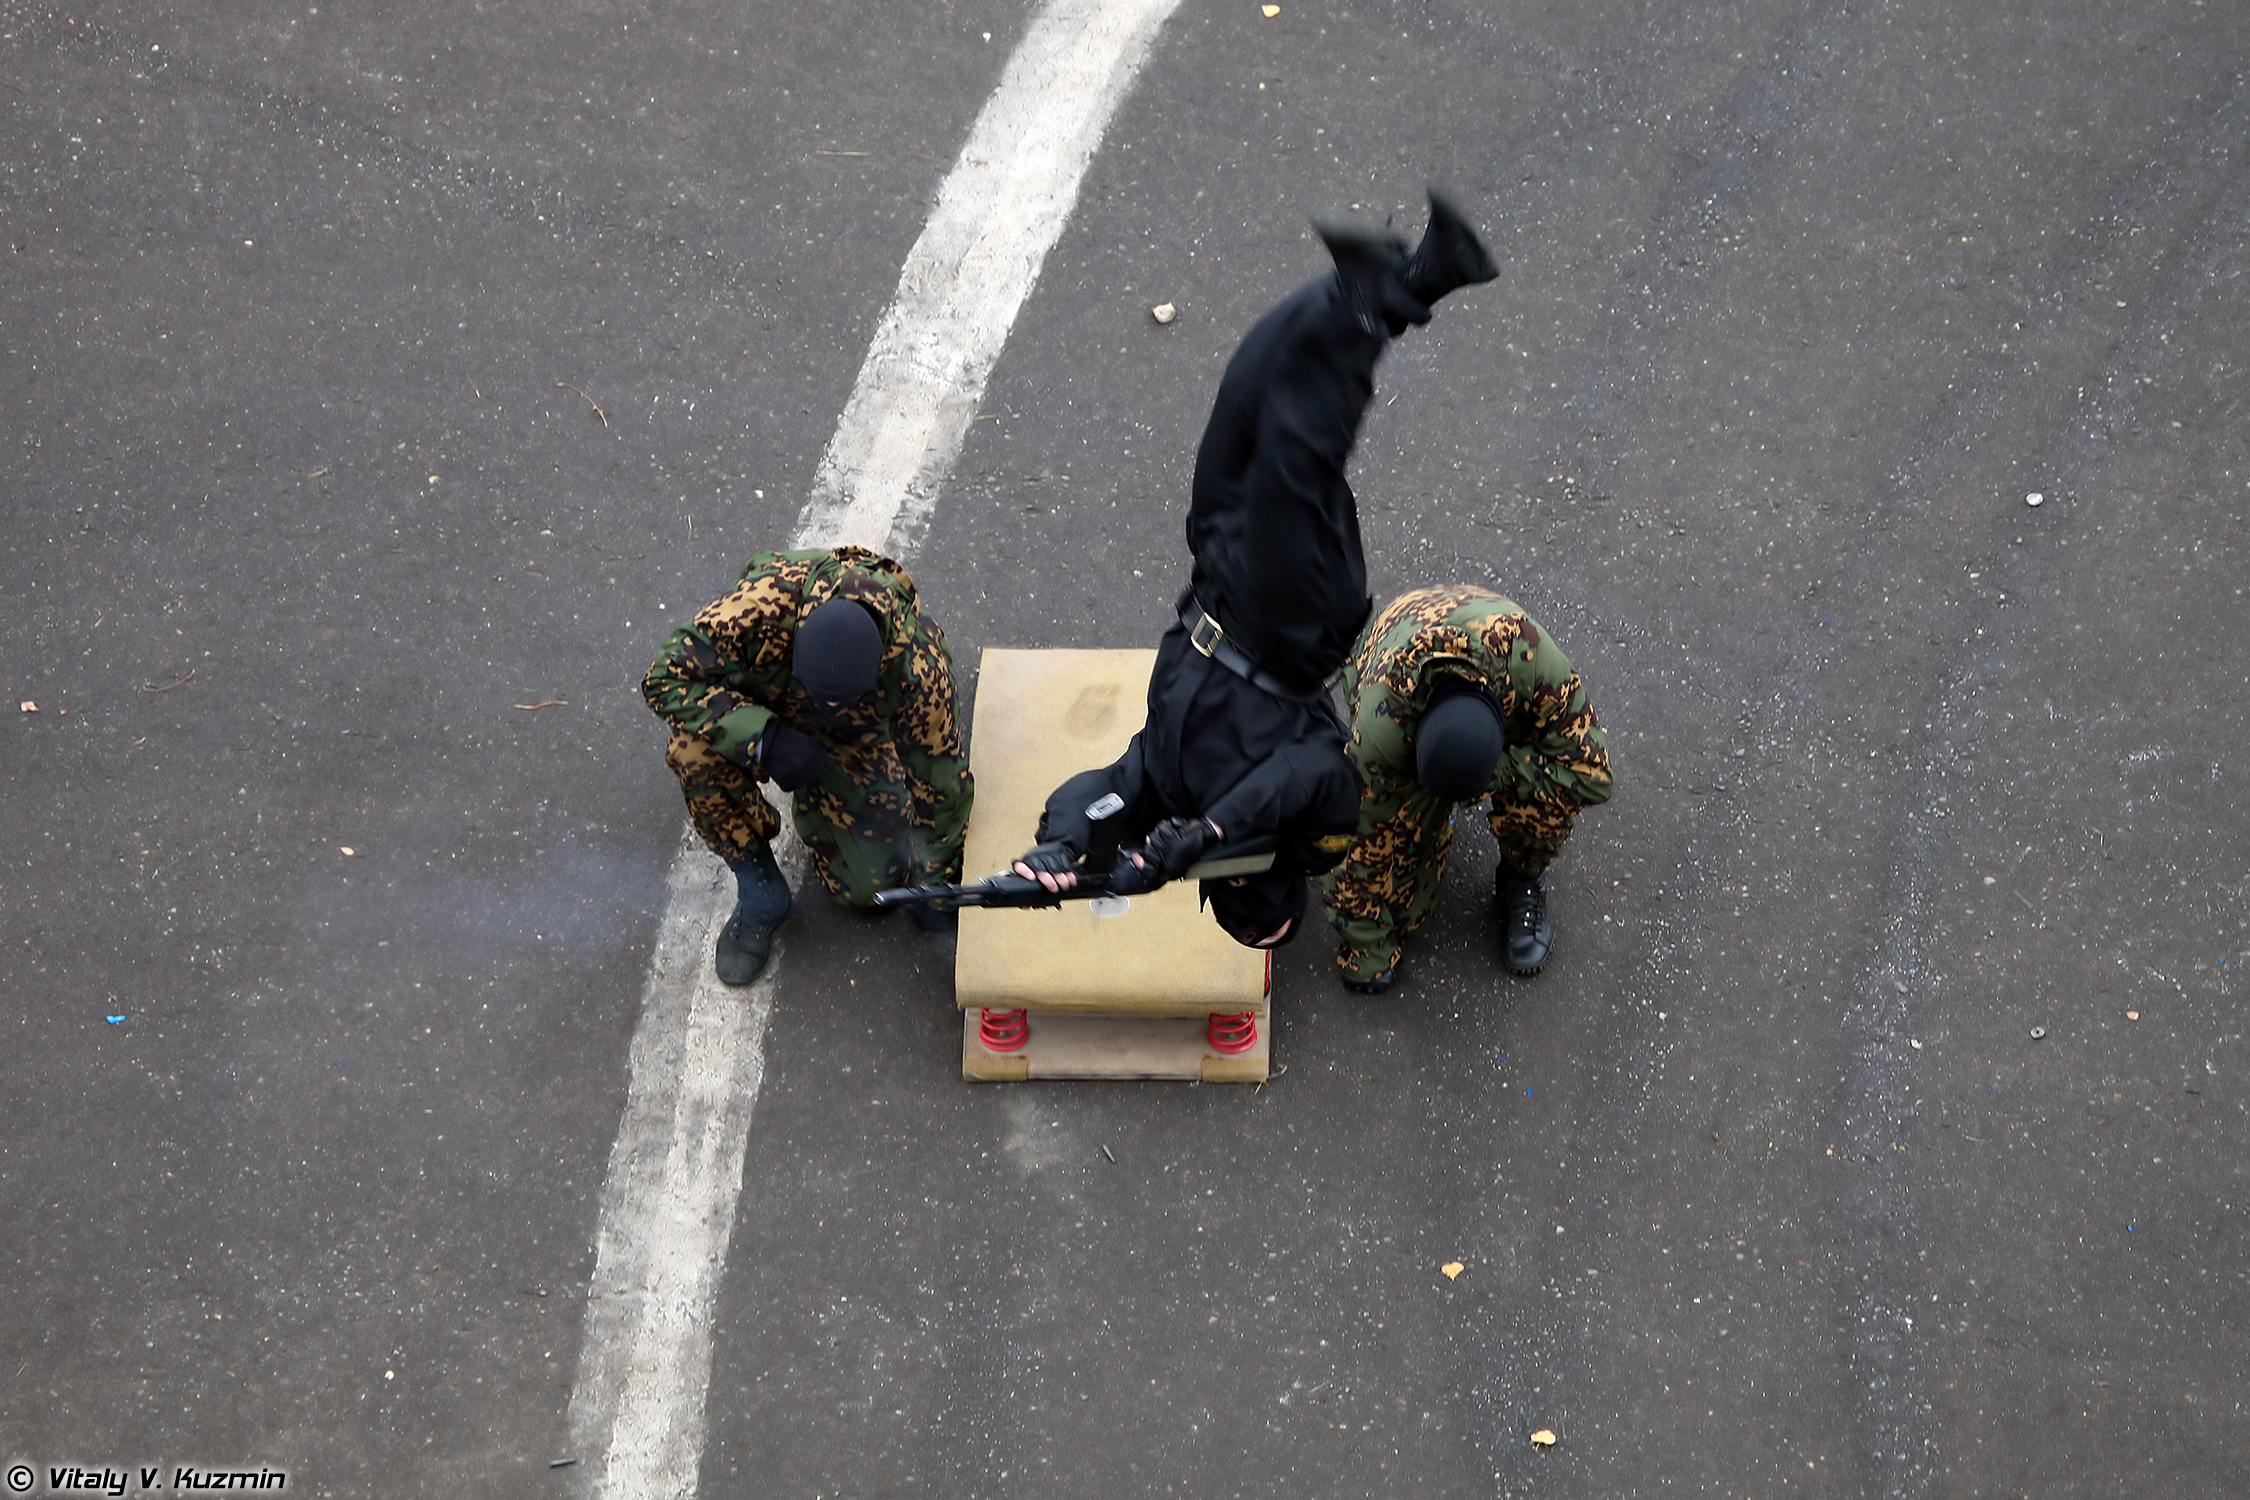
[(1204, 635)]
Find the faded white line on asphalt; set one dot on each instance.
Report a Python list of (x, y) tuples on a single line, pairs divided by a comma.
[(668, 1206), (999, 212), (698, 1053)]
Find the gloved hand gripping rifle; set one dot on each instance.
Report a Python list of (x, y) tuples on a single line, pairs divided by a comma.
[(1101, 872)]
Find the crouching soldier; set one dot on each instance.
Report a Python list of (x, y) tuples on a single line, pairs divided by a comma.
[(821, 674), (1455, 694)]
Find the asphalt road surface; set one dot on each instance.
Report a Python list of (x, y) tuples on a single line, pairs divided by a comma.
[(373, 372)]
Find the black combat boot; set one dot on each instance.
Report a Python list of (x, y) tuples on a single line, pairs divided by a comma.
[(1527, 933), (761, 906), (1371, 266), (1450, 256)]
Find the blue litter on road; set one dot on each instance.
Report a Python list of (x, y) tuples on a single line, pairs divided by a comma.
[(114, 1020)]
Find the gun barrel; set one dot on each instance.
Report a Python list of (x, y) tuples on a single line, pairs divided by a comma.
[(1008, 889), (1004, 889)]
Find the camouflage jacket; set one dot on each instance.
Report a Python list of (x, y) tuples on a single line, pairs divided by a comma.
[(726, 675), (1556, 752)]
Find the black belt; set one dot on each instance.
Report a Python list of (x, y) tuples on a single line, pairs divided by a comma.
[(1206, 636)]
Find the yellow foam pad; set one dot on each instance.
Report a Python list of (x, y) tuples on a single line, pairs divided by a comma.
[(1043, 716)]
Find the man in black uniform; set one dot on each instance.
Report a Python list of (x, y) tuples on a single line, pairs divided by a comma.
[(1242, 743)]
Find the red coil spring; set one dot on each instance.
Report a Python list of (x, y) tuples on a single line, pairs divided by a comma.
[(1003, 1030), (1232, 1034)]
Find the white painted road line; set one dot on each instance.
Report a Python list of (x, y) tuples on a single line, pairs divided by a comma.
[(668, 1206), (1001, 209), (698, 1053)]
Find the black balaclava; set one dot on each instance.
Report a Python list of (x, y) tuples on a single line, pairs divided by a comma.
[(1252, 911), (839, 652), (1459, 741)]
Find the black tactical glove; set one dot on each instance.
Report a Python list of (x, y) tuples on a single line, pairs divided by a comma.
[(1171, 848), (1055, 857), (791, 757), (1129, 879), (1176, 843)]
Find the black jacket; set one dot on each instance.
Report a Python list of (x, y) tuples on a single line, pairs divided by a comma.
[(1214, 746)]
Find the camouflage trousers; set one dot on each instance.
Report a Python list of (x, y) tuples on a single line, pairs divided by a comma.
[(862, 825), (1388, 881)]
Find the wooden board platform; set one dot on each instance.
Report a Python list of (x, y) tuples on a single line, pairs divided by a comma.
[(1042, 716), (1072, 1044)]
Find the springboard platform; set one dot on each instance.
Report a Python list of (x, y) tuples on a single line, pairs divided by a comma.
[(1086, 992)]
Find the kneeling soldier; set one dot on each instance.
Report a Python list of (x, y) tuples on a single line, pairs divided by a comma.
[(1455, 693), (821, 673)]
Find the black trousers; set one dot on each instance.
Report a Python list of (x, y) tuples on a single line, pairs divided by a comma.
[(1272, 523)]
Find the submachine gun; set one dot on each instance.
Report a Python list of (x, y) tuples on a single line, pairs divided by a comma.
[(1103, 872)]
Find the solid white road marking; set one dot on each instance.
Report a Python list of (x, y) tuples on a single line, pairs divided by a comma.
[(1001, 209), (698, 1053), (668, 1205)]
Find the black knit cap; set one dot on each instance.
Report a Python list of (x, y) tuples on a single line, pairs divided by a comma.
[(839, 652), (1459, 741), (1252, 911)]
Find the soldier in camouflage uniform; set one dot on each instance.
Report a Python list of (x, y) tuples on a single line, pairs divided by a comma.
[(1517, 713), (821, 673)]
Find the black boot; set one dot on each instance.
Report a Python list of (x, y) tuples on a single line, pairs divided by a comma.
[(1450, 256), (761, 906), (1371, 267), (1527, 933)]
